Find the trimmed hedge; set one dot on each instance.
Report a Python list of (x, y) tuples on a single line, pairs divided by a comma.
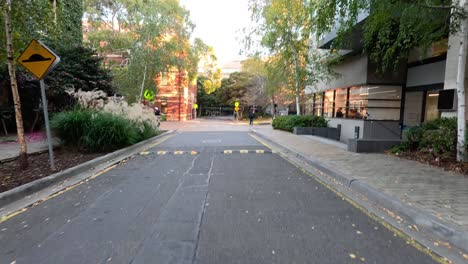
[(97, 131), (288, 123)]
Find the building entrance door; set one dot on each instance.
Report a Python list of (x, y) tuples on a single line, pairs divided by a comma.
[(413, 109)]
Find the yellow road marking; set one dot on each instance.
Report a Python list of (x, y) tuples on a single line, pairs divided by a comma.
[(244, 151), (228, 152), (162, 152), (180, 152), (259, 151), (144, 153), (193, 152), (371, 215)]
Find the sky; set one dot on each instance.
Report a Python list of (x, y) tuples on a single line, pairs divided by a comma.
[(219, 24)]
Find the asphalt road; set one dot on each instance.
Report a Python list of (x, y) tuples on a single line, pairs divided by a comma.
[(205, 205)]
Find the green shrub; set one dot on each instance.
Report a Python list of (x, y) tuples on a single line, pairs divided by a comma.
[(438, 137), (163, 118), (109, 132), (146, 131), (450, 123), (97, 131), (289, 122), (413, 136), (71, 126), (441, 142), (403, 147)]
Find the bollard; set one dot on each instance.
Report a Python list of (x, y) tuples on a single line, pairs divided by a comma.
[(356, 132)]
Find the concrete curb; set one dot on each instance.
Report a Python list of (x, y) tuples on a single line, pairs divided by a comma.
[(19, 192), (437, 228)]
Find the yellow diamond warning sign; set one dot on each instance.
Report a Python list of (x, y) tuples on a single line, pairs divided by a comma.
[(38, 59)]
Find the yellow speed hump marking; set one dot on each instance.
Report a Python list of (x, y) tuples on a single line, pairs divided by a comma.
[(245, 151), (38, 59)]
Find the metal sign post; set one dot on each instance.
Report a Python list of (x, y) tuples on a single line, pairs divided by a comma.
[(195, 107), (46, 119), (39, 60)]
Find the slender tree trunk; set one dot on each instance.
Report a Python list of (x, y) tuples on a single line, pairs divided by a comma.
[(54, 7), (23, 154), (461, 116), (296, 82)]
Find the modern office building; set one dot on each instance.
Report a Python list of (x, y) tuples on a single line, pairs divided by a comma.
[(374, 105)]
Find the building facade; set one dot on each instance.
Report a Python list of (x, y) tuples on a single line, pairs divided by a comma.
[(374, 105), (176, 95)]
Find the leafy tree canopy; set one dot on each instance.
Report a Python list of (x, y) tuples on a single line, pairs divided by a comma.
[(393, 27), (284, 29), (157, 34)]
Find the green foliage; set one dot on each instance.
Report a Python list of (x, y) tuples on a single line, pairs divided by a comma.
[(234, 88), (156, 34), (38, 20), (97, 131), (403, 147), (450, 123), (69, 15), (284, 28), (79, 68), (438, 137), (71, 126), (204, 99), (115, 40), (442, 141), (392, 29), (146, 131), (108, 132), (289, 122), (413, 136)]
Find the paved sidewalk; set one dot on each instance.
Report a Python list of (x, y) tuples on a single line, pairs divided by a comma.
[(441, 193), (10, 150)]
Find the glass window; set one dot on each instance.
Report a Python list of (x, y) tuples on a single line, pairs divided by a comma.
[(375, 102), (357, 103), (318, 107), (340, 102), (328, 104), (309, 104), (432, 112)]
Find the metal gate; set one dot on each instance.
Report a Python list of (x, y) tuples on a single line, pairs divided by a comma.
[(214, 111)]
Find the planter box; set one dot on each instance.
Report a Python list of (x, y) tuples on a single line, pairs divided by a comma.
[(326, 132), (371, 145)]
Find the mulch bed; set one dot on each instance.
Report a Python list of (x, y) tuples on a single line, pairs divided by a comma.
[(11, 176), (449, 164)]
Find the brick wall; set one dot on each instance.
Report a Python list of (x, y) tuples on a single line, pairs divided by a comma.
[(175, 97)]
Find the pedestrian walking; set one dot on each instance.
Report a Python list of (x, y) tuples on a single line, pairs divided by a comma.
[(251, 117), (157, 112)]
